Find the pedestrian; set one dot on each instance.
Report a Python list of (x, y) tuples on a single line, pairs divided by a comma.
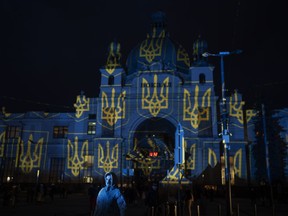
[(92, 192), (40, 193), (152, 200), (263, 191), (253, 195), (110, 201), (189, 199), (51, 192)]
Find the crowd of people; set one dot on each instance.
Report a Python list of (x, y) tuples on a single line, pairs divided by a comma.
[(35, 193), (111, 200), (155, 198)]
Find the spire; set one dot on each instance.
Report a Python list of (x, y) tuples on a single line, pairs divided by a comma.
[(159, 23), (114, 55), (199, 47)]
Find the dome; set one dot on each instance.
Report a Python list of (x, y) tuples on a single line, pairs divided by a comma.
[(158, 52), (200, 46)]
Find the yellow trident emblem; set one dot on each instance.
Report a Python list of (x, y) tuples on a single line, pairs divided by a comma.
[(238, 163), (173, 174), (113, 59), (109, 160), (81, 105), (76, 160), (190, 162), (31, 159), (182, 55), (212, 158), (6, 114), (153, 102), (236, 109), (148, 165), (249, 114), (152, 48), (194, 114), (112, 113)]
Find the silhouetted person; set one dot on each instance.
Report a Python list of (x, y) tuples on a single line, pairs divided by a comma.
[(92, 192), (110, 201), (189, 199), (152, 199), (253, 195), (263, 191), (51, 192)]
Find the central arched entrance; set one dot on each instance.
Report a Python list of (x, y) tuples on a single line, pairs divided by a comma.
[(153, 149)]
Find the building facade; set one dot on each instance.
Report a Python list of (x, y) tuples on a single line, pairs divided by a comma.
[(130, 127)]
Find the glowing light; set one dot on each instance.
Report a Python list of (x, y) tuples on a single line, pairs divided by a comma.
[(153, 154)]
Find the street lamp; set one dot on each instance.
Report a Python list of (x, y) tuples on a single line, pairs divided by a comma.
[(225, 134)]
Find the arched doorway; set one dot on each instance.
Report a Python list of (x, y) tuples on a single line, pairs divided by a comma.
[(153, 149)]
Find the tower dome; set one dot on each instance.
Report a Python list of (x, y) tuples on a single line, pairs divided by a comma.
[(158, 52), (199, 47)]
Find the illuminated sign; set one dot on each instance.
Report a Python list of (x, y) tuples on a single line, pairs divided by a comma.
[(153, 154)]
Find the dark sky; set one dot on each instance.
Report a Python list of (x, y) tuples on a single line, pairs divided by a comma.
[(51, 50)]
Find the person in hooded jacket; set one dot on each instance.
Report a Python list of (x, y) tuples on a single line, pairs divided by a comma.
[(110, 201)]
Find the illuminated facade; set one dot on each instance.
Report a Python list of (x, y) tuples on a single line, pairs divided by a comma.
[(131, 125)]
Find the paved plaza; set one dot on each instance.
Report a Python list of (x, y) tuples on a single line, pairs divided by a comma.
[(77, 204)]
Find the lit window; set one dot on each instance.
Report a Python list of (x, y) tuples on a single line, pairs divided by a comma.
[(88, 179), (91, 128), (60, 132), (88, 160)]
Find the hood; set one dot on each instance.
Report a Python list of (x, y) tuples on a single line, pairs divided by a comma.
[(114, 178)]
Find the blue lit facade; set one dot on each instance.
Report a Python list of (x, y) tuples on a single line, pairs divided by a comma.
[(131, 125)]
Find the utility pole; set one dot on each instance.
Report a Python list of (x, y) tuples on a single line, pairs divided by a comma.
[(266, 142), (225, 134)]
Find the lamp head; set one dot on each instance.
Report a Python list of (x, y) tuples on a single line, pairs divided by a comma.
[(205, 54)]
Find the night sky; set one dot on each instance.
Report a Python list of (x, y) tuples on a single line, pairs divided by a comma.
[(52, 50)]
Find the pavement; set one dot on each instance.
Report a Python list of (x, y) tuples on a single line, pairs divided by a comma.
[(77, 204)]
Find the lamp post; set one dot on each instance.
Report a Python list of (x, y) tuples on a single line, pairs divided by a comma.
[(225, 134)]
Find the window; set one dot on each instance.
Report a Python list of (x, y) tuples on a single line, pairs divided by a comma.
[(92, 116), (13, 132), (88, 160), (87, 172), (60, 132), (91, 128), (111, 80), (202, 78)]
